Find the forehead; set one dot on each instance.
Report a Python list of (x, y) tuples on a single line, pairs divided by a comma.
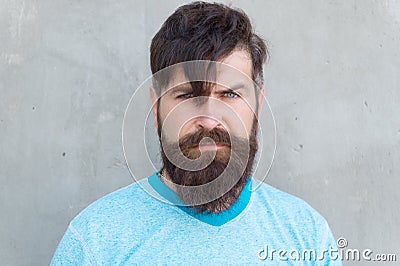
[(239, 59), (234, 69)]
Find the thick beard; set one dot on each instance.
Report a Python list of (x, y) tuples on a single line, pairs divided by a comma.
[(240, 169)]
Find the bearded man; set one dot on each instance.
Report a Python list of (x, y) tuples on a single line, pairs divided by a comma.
[(207, 93)]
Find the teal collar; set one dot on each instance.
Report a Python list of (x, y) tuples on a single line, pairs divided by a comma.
[(215, 219)]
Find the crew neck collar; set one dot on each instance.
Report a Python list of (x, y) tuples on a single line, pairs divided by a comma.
[(215, 219)]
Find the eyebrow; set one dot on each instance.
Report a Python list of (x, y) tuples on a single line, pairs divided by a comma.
[(185, 87), (236, 86)]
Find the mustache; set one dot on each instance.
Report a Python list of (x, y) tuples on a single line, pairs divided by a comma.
[(218, 135)]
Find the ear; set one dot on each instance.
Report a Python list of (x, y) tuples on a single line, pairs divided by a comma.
[(153, 98), (260, 100)]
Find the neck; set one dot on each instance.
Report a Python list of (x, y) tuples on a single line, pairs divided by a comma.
[(166, 179)]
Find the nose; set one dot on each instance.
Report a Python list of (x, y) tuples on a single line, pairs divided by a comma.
[(209, 116), (207, 122)]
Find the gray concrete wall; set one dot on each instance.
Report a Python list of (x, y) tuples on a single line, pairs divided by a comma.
[(68, 69)]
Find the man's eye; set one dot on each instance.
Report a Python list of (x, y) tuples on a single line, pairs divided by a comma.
[(231, 94), (185, 96)]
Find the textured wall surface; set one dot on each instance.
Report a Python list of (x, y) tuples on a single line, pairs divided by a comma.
[(68, 69)]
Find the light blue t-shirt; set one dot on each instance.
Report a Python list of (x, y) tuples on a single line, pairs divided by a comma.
[(131, 227)]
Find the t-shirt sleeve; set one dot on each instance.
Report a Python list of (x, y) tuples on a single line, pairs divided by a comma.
[(72, 250)]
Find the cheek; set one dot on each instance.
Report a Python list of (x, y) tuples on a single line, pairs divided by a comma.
[(171, 122), (246, 119), (242, 121)]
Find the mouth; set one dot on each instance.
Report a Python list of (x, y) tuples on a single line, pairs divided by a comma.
[(210, 146)]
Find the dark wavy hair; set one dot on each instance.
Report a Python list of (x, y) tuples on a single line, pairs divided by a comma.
[(206, 31)]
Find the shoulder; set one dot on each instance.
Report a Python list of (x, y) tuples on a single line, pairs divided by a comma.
[(289, 209), (274, 197), (98, 227), (114, 210), (112, 201), (113, 224), (300, 226)]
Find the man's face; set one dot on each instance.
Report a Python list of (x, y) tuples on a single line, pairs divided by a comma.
[(213, 113), (227, 111)]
